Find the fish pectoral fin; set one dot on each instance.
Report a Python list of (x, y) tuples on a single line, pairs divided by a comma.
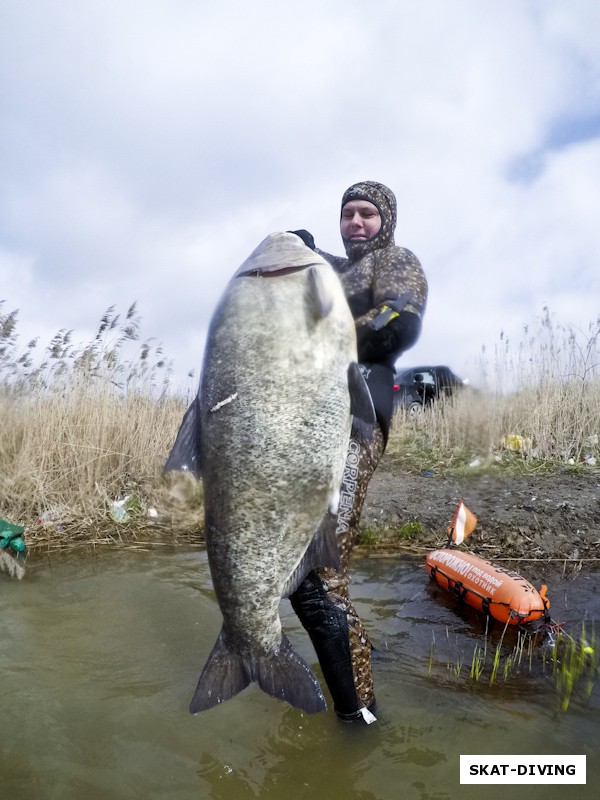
[(281, 673), (361, 402), (320, 296), (185, 453), (321, 552)]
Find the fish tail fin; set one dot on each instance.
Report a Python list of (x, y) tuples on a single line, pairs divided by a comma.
[(224, 675), (287, 676), (283, 674)]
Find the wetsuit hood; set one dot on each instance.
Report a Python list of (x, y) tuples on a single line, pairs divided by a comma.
[(385, 202)]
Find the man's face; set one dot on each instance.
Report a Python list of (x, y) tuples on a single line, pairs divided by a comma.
[(360, 221)]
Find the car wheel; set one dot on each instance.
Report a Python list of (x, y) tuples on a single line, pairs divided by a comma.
[(414, 410)]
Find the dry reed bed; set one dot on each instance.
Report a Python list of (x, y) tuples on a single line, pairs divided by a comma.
[(88, 426), (556, 425)]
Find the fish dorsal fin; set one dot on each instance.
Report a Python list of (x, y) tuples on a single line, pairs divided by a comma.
[(322, 552), (319, 293), (185, 453)]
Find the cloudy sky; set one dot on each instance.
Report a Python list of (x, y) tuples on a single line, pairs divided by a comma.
[(147, 146)]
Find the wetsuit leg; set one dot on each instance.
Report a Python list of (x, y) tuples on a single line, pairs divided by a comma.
[(322, 601)]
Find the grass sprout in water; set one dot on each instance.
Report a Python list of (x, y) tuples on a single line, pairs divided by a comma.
[(575, 663), (572, 661)]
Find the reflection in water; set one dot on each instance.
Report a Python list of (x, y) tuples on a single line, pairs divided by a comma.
[(296, 758), (100, 653)]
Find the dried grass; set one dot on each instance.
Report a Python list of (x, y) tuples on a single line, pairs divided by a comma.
[(85, 427), (547, 392), (82, 427)]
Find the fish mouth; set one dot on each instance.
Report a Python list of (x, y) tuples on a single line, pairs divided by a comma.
[(272, 272)]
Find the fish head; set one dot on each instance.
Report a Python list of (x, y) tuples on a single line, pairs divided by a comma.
[(278, 254), (285, 254)]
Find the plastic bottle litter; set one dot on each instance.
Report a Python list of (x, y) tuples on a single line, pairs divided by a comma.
[(50, 517), (117, 510), (129, 506)]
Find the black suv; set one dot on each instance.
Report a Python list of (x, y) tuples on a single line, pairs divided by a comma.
[(417, 387)]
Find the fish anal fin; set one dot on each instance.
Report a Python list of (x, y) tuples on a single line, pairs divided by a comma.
[(321, 552)]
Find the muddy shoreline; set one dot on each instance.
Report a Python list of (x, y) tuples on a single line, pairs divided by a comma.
[(550, 517), (539, 517)]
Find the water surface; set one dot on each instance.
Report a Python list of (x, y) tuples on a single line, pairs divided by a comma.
[(100, 653)]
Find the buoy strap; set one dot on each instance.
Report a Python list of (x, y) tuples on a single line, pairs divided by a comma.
[(459, 589)]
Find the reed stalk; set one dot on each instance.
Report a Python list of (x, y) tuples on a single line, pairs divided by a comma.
[(82, 426)]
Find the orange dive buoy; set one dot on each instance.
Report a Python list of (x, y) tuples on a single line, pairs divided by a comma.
[(502, 594)]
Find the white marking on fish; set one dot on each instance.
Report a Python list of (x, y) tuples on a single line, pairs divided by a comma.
[(224, 402), (334, 502)]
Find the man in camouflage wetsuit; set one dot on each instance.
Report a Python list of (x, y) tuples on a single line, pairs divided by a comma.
[(386, 290)]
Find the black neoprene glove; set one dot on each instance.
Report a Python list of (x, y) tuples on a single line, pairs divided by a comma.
[(387, 343), (306, 237)]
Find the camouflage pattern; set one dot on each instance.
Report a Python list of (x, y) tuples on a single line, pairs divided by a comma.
[(373, 272), (363, 458), (378, 270)]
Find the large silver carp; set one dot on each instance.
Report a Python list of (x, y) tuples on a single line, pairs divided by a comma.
[(268, 433)]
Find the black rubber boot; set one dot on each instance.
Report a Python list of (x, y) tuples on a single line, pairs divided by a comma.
[(366, 714), (322, 602), (328, 628)]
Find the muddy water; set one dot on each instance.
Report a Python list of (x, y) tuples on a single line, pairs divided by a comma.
[(100, 653)]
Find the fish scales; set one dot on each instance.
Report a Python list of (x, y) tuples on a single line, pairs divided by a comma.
[(273, 456), (269, 431)]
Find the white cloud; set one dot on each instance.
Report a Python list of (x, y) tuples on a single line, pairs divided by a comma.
[(146, 147)]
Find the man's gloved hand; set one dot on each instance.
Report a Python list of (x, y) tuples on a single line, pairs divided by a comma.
[(306, 237), (390, 341), (386, 315)]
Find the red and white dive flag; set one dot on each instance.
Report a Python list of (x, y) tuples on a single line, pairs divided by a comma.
[(463, 523)]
